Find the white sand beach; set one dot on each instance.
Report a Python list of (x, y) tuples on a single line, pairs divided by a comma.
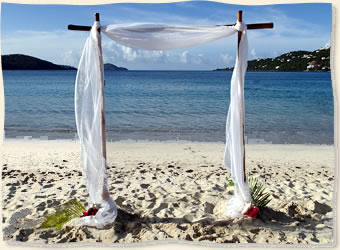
[(166, 190)]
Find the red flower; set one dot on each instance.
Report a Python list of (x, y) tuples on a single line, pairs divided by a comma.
[(252, 212), (90, 211)]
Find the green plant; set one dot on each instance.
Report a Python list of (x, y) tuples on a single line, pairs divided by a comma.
[(65, 213), (230, 183), (260, 198)]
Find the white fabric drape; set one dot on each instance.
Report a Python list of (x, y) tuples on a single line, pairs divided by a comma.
[(88, 101), (164, 37), (234, 149)]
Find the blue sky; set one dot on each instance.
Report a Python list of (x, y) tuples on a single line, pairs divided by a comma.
[(41, 31)]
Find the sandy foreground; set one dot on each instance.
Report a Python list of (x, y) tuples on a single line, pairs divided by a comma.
[(170, 191)]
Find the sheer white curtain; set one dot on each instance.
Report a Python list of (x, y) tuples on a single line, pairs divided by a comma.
[(88, 104), (164, 37), (234, 148)]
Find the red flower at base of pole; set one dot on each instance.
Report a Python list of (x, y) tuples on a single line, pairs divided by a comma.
[(252, 212), (90, 211)]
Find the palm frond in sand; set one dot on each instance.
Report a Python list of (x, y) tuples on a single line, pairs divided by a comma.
[(260, 198), (65, 213)]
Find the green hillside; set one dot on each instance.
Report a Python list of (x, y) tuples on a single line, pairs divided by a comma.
[(318, 60), (24, 62)]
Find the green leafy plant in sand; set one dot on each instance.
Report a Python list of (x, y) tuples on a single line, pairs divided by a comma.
[(68, 211), (260, 198)]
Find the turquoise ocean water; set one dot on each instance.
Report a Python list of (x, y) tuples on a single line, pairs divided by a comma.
[(281, 107)]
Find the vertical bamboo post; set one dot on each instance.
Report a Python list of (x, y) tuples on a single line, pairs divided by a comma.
[(102, 93), (105, 194), (239, 35), (239, 18)]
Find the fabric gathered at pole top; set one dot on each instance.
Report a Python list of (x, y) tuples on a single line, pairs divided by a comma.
[(240, 26), (88, 100)]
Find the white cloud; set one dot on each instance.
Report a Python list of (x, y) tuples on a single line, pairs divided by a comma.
[(198, 59), (71, 57), (226, 58), (184, 57), (253, 53), (129, 54), (60, 47), (327, 45), (188, 58), (116, 53)]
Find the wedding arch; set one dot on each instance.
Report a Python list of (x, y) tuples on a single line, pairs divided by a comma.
[(90, 114)]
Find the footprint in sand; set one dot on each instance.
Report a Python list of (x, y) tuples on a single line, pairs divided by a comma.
[(209, 208), (160, 207), (145, 186)]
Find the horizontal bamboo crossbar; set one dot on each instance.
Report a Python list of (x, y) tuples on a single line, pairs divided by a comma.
[(254, 26), (79, 27)]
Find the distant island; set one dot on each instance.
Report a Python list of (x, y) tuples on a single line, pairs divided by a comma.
[(24, 62), (318, 60), (109, 66)]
